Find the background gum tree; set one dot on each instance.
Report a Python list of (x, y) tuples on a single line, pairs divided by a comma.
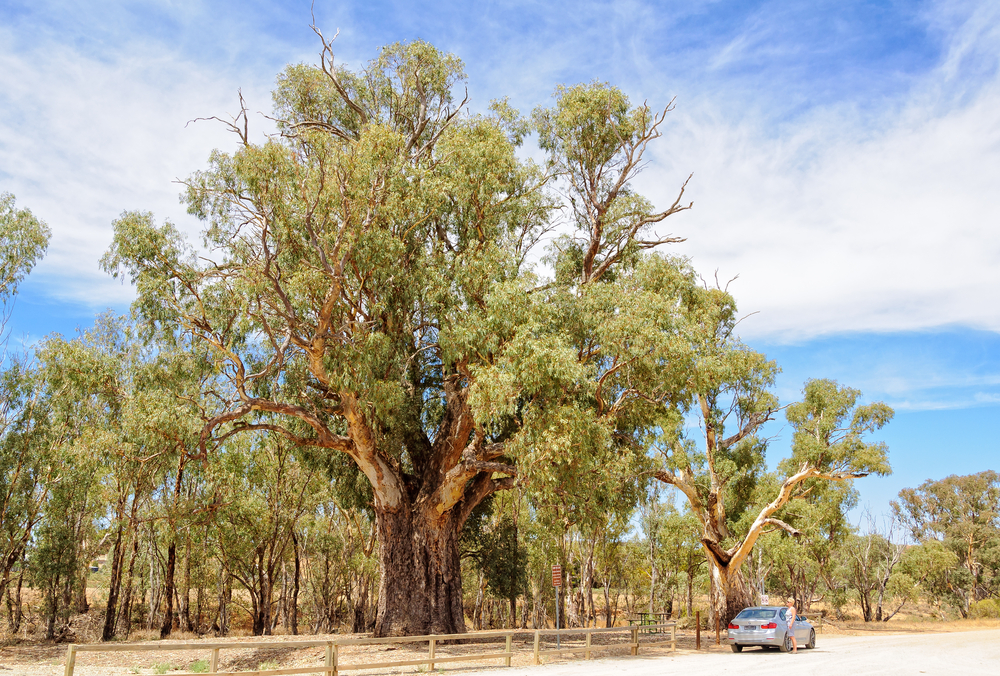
[(23, 241), (369, 298), (720, 479), (25, 436), (135, 410), (963, 514)]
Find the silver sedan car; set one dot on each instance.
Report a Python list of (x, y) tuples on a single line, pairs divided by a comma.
[(766, 626)]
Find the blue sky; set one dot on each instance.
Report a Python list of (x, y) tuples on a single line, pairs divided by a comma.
[(846, 158)]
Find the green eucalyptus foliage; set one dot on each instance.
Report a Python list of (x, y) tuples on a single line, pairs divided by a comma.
[(133, 409), (414, 225), (260, 493), (57, 551), (490, 540), (810, 566), (829, 429), (23, 241), (961, 514), (595, 142), (415, 228), (30, 463)]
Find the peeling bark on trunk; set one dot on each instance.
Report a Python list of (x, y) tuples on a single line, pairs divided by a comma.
[(729, 594)]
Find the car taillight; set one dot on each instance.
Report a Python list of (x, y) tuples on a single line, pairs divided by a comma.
[(733, 626), (769, 625)]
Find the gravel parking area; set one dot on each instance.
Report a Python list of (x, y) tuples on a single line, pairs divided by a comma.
[(965, 653)]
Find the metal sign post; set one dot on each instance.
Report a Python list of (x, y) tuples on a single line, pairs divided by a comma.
[(557, 582)]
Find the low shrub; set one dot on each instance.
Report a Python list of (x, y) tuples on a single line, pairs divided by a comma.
[(987, 608)]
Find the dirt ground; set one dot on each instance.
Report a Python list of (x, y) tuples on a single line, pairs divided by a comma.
[(970, 652), (839, 651)]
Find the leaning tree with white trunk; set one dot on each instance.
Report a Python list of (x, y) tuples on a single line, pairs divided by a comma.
[(723, 480)]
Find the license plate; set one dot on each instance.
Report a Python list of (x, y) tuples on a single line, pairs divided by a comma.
[(749, 626)]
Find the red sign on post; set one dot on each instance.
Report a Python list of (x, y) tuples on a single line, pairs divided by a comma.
[(556, 576)]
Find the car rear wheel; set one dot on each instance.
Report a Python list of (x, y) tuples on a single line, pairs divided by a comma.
[(786, 644), (812, 639), (736, 648)]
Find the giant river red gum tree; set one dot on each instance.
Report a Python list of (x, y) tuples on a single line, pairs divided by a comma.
[(368, 296)]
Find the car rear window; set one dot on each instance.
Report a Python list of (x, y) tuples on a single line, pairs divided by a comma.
[(756, 614)]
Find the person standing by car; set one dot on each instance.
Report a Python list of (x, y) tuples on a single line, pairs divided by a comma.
[(790, 619)]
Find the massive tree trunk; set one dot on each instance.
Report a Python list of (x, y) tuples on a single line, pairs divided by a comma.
[(420, 576), (728, 592), (419, 511)]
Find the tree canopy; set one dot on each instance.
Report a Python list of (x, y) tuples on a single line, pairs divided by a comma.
[(367, 293)]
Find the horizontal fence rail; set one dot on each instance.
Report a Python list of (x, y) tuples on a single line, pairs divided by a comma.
[(332, 664)]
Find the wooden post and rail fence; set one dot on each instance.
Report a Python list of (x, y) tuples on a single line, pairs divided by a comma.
[(333, 665)]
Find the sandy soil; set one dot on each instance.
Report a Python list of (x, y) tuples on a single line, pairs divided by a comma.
[(967, 652)]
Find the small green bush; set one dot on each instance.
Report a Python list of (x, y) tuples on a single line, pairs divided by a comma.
[(199, 667), (270, 664), (987, 608), (162, 667)]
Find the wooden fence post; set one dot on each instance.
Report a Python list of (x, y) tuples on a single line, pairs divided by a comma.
[(718, 640), (213, 662), (586, 651), (673, 638), (509, 647), (697, 630), (430, 654), (70, 660), (635, 640), (328, 661), (537, 636)]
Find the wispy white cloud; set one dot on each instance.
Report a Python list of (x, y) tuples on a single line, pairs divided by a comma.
[(84, 137), (843, 222)]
